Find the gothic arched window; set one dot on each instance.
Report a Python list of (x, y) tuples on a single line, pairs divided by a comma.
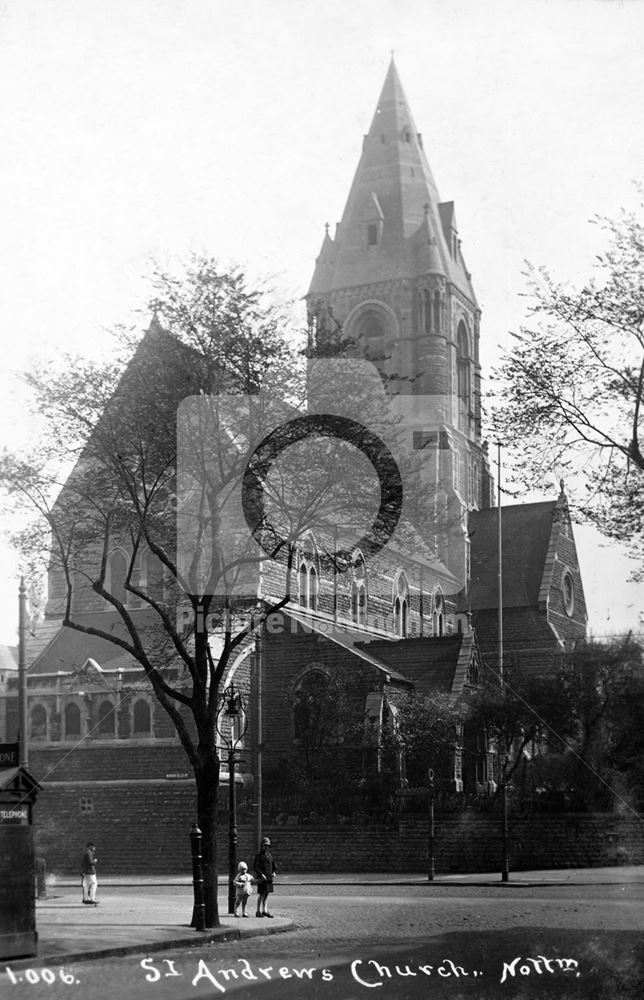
[(464, 386), (72, 719), (152, 576), (401, 606), (309, 580), (314, 588), (359, 592), (373, 338), (438, 613), (315, 711), (106, 719), (38, 723), (141, 718), (303, 584), (369, 332), (428, 311), (473, 671), (475, 484), (117, 576), (438, 313)]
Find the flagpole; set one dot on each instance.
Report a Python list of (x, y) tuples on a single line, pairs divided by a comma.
[(505, 866)]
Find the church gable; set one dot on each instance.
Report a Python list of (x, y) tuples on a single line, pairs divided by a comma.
[(526, 533), (445, 664)]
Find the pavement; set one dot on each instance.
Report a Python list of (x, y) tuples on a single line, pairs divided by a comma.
[(139, 921)]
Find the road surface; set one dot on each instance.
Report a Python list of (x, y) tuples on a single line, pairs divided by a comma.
[(391, 943)]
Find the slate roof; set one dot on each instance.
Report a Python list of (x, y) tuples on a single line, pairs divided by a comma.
[(19, 781), (528, 639), (526, 531), (38, 640), (349, 639), (8, 657), (69, 649), (431, 663)]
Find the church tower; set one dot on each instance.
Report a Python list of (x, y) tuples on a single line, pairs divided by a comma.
[(392, 283)]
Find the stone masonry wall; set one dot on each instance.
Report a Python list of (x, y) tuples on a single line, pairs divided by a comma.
[(144, 827)]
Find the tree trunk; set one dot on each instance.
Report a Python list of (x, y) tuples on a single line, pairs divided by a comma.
[(207, 780)]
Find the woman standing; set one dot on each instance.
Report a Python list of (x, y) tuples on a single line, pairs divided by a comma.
[(265, 868)]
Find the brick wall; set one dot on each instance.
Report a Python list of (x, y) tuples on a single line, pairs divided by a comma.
[(286, 656), (568, 627), (144, 827), (137, 826), (466, 844), (108, 761)]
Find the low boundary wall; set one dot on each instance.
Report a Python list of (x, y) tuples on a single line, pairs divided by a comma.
[(144, 827)]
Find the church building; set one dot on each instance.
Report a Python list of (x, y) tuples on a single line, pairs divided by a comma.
[(328, 674)]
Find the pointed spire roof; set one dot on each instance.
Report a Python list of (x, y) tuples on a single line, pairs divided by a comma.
[(393, 190)]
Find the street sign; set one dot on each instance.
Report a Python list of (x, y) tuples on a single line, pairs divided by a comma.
[(8, 755), (15, 814)]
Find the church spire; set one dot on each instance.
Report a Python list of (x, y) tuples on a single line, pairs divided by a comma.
[(393, 225), (393, 281)]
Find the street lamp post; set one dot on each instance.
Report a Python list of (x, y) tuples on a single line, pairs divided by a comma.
[(231, 726), (505, 847), (430, 873)]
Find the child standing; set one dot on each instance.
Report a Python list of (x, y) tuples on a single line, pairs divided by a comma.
[(243, 887)]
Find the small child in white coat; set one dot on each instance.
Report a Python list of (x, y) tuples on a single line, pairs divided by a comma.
[(243, 883)]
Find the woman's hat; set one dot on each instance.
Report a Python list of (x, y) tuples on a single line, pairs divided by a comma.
[(242, 866), (265, 840)]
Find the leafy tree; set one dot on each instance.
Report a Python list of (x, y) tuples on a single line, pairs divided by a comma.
[(150, 453), (426, 734), (523, 713), (104, 475), (570, 393), (606, 694)]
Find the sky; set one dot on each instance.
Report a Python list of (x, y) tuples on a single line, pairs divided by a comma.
[(133, 132)]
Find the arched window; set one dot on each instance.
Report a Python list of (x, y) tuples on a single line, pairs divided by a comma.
[(141, 718), (401, 606), (38, 723), (473, 670), (309, 582), (438, 614), (369, 331), (315, 711), (152, 576), (314, 588), (438, 313), (428, 311), (72, 719), (106, 719), (359, 592), (464, 387), (475, 485), (373, 338), (304, 579), (117, 576)]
